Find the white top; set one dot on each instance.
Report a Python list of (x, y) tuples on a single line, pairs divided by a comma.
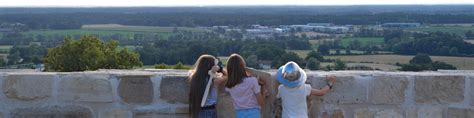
[(294, 100)]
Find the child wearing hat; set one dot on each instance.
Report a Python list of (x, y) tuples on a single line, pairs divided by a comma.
[(294, 92)]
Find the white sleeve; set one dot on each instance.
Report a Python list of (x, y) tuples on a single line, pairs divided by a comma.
[(307, 88)]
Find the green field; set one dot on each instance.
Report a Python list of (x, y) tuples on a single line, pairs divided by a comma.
[(303, 53), (111, 29), (364, 41), (150, 29), (459, 30), (5, 48), (463, 63)]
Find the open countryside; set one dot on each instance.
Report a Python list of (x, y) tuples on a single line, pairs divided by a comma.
[(464, 63)]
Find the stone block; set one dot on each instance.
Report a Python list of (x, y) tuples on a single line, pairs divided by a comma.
[(338, 114), (224, 105), (472, 89), (346, 90), (174, 89), (388, 114), (116, 113), (52, 112), (439, 89), (335, 114), (388, 90), (429, 112), (161, 116), (460, 113), (363, 113), (136, 89), (28, 87), (162, 111), (88, 88)]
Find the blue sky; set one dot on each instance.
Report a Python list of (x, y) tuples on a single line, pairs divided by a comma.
[(85, 3)]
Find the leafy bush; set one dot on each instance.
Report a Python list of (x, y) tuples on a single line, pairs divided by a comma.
[(89, 53)]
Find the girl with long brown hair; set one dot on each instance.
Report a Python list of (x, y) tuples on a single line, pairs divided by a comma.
[(204, 80), (243, 88)]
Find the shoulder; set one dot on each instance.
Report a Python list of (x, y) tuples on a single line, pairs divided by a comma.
[(307, 86), (251, 79), (280, 86)]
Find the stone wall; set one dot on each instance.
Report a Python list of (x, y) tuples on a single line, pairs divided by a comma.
[(163, 94)]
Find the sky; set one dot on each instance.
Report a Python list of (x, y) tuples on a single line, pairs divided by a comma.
[(122, 3)]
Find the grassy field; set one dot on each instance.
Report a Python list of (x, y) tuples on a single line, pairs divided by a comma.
[(150, 29), (112, 29), (459, 30), (385, 67), (5, 48), (364, 41), (304, 53), (465, 63)]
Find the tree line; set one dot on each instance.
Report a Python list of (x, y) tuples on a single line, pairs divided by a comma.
[(192, 19)]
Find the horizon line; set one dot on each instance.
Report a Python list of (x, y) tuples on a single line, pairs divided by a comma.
[(256, 5)]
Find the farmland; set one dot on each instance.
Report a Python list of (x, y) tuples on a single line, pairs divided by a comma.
[(459, 29), (466, 63), (113, 29), (303, 53), (364, 41), (5, 48)]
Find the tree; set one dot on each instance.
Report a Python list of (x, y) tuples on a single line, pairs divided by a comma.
[(315, 55), (413, 67), (469, 34), (323, 49), (313, 64), (252, 61), (2, 62), (89, 53), (421, 59), (14, 58), (348, 51), (180, 66), (339, 65), (423, 62), (286, 57), (442, 65)]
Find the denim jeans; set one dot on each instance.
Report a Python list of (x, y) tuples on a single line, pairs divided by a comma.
[(208, 113), (248, 113)]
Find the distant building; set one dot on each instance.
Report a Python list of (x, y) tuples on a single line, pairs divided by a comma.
[(320, 24), (223, 27), (265, 65), (262, 32), (6, 30), (317, 27), (400, 25), (257, 26)]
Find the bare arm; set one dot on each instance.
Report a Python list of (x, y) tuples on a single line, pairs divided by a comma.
[(218, 78), (260, 99), (321, 92)]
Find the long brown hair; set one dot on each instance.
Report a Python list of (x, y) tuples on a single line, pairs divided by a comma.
[(235, 70), (198, 83)]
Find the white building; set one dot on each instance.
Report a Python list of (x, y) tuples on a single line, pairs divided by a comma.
[(400, 25)]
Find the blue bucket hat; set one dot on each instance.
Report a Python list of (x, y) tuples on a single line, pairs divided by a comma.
[(291, 75)]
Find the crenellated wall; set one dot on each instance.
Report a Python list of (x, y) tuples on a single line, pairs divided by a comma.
[(164, 94)]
